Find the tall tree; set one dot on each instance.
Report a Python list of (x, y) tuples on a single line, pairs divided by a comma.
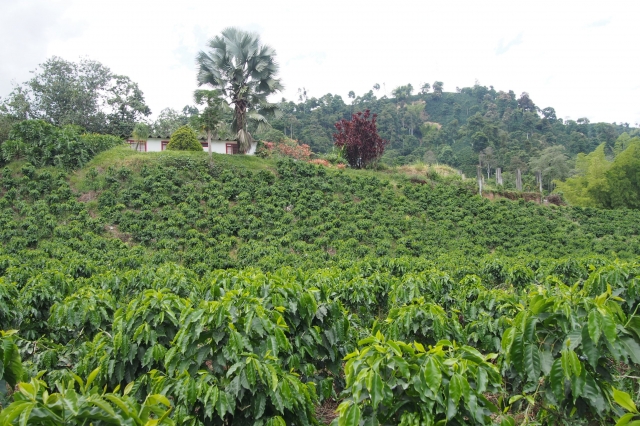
[(244, 70), (402, 93), (359, 139), (127, 106), (552, 163), (210, 118), (84, 93), (437, 89), (169, 120)]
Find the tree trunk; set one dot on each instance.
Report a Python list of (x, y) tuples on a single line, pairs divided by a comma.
[(209, 143), (241, 124)]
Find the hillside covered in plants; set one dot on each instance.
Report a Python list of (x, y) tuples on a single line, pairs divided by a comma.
[(462, 128), (240, 290)]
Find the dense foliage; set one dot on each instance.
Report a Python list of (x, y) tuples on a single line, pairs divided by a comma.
[(184, 139), (603, 183), (259, 295), (84, 93), (462, 128), (43, 144), (358, 139)]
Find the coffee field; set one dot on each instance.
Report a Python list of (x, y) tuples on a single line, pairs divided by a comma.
[(149, 289)]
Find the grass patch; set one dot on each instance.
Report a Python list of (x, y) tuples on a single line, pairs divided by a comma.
[(124, 156)]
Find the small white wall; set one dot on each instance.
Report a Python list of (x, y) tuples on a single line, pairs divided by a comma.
[(219, 147), (154, 144)]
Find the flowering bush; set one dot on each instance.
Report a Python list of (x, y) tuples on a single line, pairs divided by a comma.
[(321, 162), (287, 148)]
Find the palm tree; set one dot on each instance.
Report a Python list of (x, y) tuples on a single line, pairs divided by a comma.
[(244, 71)]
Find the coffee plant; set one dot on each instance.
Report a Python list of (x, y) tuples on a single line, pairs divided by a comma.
[(256, 292)]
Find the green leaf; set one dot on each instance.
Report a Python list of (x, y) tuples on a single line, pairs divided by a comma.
[(26, 413), (481, 380), (570, 363), (532, 361), (609, 329), (507, 339), (92, 376), (432, 375), (508, 421), (394, 346), (624, 400), (594, 325), (631, 348), (351, 416), (594, 395), (577, 384), (375, 386), (13, 411), (515, 398), (557, 380), (624, 420), (530, 329), (455, 392), (589, 349), (517, 354), (222, 405), (128, 388)]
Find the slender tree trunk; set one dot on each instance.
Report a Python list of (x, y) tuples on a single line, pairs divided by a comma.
[(209, 143)]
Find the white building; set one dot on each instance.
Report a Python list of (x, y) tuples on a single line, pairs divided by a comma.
[(156, 144)]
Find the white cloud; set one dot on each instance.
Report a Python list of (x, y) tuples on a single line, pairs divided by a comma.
[(576, 57)]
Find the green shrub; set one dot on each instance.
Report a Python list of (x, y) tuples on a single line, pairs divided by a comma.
[(43, 144), (184, 139)]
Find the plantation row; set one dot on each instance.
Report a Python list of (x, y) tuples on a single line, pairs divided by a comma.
[(247, 347), (173, 291)]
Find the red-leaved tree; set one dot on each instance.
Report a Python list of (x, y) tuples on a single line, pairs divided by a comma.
[(359, 139)]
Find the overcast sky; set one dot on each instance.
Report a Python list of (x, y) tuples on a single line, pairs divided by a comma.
[(580, 57)]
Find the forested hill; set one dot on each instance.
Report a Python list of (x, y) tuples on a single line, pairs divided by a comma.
[(470, 126)]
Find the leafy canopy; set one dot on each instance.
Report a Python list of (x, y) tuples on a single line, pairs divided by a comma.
[(84, 93), (359, 139), (244, 70)]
